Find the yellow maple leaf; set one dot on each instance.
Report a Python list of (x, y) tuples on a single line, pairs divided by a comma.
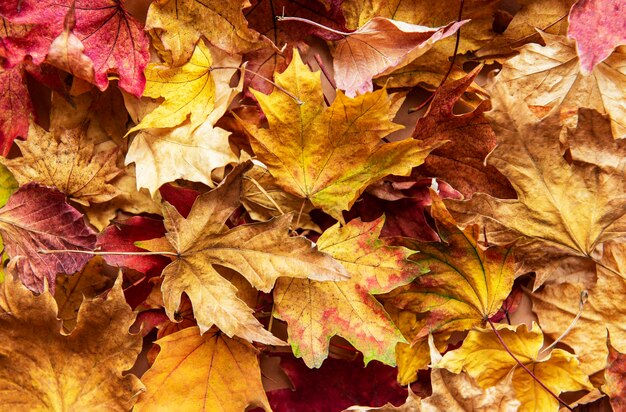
[(209, 372), (316, 311), (187, 90), (43, 369), (484, 358), (69, 162), (260, 252), (180, 23), (329, 154)]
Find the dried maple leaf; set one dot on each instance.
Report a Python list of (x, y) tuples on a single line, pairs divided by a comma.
[(178, 24), (260, 252), (467, 283), (556, 307), (41, 368), (484, 358), (37, 217), (113, 39), (469, 137), (379, 47), (598, 26), (192, 149), (615, 384), (329, 154), (455, 393), (68, 162), (220, 373), (15, 107), (550, 77), (316, 311), (563, 210)]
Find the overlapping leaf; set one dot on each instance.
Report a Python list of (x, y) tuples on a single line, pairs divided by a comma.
[(199, 363), (315, 311), (43, 369), (260, 252), (329, 155)]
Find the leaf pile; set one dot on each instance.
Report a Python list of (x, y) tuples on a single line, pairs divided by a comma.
[(246, 186)]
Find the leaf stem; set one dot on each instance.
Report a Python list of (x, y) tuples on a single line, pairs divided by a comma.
[(258, 185), (243, 70), (581, 306), (98, 253), (532, 375), (312, 23)]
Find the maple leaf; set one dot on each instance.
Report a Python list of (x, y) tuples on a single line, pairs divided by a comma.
[(329, 155), (15, 107), (198, 362), (379, 47), (469, 137), (260, 252), (343, 383), (37, 217), (192, 149), (455, 393), (467, 283), (484, 358), (614, 378), (598, 26), (564, 210), (556, 307), (113, 39), (71, 164), (556, 64), (94, 279), (43, 368), (316, 311), (178, 24)]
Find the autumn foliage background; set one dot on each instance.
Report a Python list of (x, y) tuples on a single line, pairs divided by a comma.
[(377, 205)]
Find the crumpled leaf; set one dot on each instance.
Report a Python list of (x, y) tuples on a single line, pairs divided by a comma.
[(71, 290), (69, 162), (455, 393), (576, 206), (43, 369), (469, 137), (329, 155), (220, 373), (188, 90), (260, 252), (379, 47), (190, 150), (15, 107), (36, 218), (598, 26), (615, 384), (603, 310), (316, 311), (550, 77), (484, 358), (179, 24), (467, 283), (113, 39)]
